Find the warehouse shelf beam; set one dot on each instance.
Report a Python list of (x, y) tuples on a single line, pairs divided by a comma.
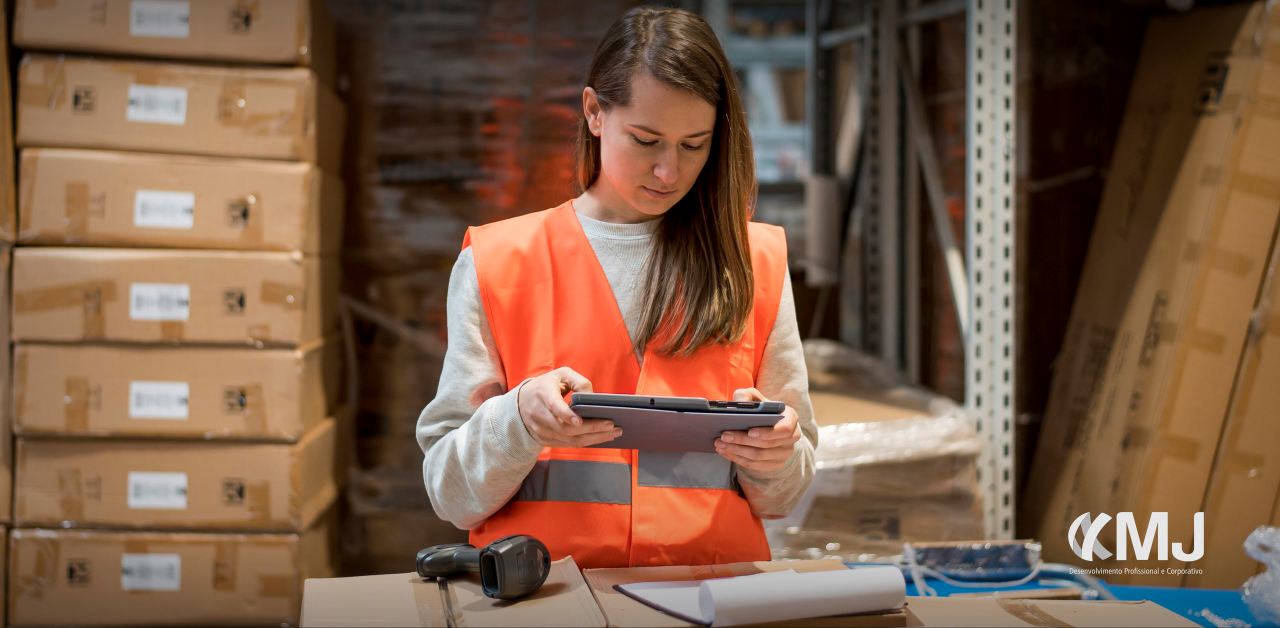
[(785, 52), (915, 17), (934, 12)]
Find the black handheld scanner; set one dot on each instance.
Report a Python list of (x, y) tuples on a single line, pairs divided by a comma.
[(510, 567)]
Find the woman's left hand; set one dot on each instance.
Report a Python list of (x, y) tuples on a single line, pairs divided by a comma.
[(761, 448)]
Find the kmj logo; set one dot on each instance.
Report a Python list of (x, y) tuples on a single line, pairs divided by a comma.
[(1127, 530)]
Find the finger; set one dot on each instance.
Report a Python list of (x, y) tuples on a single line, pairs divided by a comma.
[(597, 425), (752, 464), (561, 410), (544, 421), (755, 465), (748, 394), (595, 439), (572, 380), (541, 434), (742, 438), (588, 427), (782, 430), (754, 453), (750, 453)]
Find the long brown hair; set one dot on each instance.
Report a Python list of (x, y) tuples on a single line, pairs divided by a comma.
[(698, 286)]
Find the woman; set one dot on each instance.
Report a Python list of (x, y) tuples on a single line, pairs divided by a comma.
[(651, 282)]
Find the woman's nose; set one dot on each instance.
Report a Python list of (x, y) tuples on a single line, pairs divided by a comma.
[(667, 169)]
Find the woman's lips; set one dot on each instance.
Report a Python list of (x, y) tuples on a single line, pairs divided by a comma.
[(656, 194)]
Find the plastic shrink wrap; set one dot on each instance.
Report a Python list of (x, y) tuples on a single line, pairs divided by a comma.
[(1261, 593), (895, 464)]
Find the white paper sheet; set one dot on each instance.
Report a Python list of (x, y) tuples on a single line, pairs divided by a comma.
[(776, 596)]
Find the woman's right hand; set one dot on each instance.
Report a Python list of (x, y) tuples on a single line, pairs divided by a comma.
[(549, 419)]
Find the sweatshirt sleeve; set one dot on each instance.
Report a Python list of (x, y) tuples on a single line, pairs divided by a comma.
[(477, 450), (783, 377)]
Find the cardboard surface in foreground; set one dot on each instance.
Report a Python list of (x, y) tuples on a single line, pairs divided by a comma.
[(570, 598), (406, 599), (624, 612)]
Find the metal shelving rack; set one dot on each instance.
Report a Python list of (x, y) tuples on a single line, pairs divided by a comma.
[(983, 278)]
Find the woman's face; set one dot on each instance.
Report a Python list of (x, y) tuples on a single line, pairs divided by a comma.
[(652, 150)]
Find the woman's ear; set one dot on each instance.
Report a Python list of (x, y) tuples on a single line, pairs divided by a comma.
[(591, 109)]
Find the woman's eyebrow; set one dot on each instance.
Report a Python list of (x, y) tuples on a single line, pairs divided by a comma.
[(653, 132)]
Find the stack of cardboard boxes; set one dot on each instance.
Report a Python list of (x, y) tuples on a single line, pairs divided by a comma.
[(174, 307), (7, 219), (1164, 398)]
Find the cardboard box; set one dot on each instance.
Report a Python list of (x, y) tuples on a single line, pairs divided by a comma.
[(206, 485), (621, 611), (1062, 593), (70, 577), (104, 198), (831, 408), (196, 392), (290, 32), (265, 113), (405, 599), (77, 294), (1143, 383), (950, 611), (1245, 484), (7, 218)]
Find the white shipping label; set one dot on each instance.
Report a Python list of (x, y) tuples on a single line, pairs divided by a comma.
[(160, 301), (151, 572), (160, 105), (157, 491), (158, 400), (164, 210), (159, 18)]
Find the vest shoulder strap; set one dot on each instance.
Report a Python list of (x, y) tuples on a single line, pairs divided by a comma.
[(768, 268)]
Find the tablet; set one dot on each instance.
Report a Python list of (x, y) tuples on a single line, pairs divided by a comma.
[(689, 424)]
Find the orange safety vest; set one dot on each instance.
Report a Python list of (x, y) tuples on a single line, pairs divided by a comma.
[(549, 305)]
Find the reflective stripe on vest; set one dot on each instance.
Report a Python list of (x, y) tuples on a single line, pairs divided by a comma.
[(677, 469), (577, 481)]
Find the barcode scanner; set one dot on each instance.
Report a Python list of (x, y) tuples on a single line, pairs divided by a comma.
[(510, 567)]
